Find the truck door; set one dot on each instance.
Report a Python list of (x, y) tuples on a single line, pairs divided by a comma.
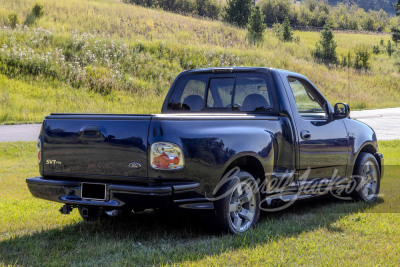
[(322, 140)]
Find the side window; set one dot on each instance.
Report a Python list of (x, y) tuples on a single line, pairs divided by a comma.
[(252, 93), (306, 102), (189, 94), (220, 92)]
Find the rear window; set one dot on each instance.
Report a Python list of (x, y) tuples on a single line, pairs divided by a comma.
[(220, 92), (245, 92)]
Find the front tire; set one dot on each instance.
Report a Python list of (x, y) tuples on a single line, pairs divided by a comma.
[(238, 208), (366, 178)]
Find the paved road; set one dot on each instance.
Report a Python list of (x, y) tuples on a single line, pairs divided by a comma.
[(23, 132), (385, 122)]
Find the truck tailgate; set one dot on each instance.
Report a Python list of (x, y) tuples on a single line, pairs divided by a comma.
[(95, 146)]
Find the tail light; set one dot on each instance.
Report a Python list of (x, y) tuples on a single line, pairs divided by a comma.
[(166, 156), (39, 150)]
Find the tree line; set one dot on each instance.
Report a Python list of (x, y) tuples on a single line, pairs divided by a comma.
[(314, 13), (204, 8), (386, 5)]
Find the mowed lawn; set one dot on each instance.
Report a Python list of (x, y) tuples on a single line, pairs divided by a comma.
[(321, 232)]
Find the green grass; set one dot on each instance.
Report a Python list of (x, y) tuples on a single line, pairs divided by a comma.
[(113, 57), (321, 232)]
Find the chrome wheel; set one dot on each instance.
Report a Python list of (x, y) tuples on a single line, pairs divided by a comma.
[(366, 178), (369, 181), (242, 206)]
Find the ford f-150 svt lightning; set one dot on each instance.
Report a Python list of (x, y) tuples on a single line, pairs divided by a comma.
[(230, 141)]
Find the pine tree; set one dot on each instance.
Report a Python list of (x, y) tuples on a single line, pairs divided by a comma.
[(395, 35), (287, 32), (256, 25), (396, 31), (238, 12), (389, 48), (326, 47)]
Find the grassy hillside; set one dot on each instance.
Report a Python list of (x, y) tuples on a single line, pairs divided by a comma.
[(321, 232), (91, 56)]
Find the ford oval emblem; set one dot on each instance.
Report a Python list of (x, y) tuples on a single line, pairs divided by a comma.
[(134, 165)]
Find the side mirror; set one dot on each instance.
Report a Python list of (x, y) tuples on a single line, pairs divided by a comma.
[(342, 110)]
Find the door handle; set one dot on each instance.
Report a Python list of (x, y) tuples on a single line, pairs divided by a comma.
[(305, 135), (91, 133)]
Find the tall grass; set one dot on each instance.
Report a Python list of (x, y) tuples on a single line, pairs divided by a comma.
[(107, 47), (29, 100), (119, 20)]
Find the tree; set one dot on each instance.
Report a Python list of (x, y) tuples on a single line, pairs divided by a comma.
[(389, 48), (283, 31), (362, 56), (13, 18), (287, 32), (275, 11), (38, 10), (395, 30), (208, 8), (368, 23), (238, 12), (395, 35), (256, 26), (326, 47)]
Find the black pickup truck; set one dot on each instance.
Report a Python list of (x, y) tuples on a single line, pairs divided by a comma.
[(230, 141)]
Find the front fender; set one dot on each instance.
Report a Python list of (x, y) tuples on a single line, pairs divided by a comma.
[(361, 138)]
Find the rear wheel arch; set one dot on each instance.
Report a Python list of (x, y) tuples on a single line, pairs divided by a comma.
[(248, 164)]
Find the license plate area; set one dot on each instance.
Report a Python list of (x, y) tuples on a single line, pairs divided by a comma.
[(93, 191)]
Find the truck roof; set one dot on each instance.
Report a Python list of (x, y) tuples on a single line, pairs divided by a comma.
[(226, 69), (233, 69)]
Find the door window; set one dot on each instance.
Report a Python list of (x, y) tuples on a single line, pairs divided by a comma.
[(307, 102)]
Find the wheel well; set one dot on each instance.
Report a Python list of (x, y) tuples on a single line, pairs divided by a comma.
[(248, 164), (371, 149), (368, 149)]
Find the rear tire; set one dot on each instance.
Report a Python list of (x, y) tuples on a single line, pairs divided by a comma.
[(238, 207), (366, 178)]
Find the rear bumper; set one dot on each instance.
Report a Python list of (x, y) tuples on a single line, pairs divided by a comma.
[(117, 195)]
